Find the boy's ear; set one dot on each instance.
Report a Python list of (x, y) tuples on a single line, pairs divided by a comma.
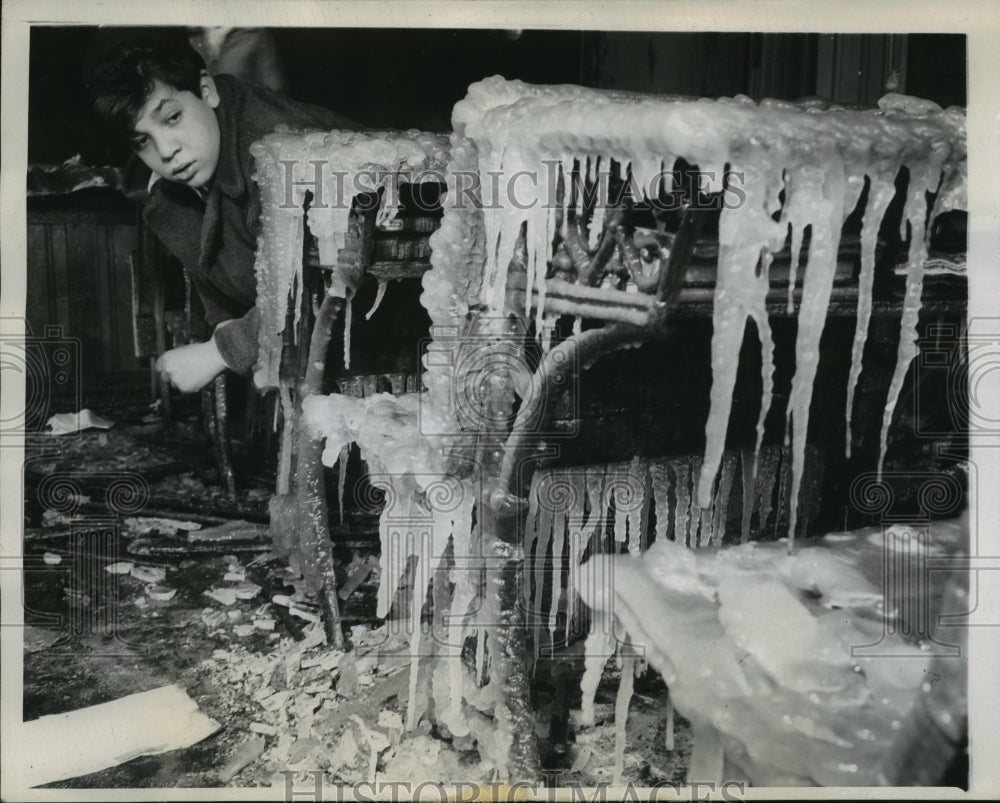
[(209, 92)]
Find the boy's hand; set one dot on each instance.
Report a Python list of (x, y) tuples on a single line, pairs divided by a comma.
[(190, 368)]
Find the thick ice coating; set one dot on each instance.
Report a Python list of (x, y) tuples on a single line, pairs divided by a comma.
[(426, 530), (800, 169), (820, 694), (332, 168)]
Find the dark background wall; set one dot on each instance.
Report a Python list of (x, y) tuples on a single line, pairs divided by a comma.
[(405, 78)]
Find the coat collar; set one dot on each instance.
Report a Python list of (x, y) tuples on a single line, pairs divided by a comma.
[(229, 173)]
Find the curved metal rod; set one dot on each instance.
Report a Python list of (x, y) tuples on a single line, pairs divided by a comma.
[(581, 350), (577, 352)]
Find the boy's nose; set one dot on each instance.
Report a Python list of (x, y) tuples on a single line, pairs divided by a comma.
[(166, 147)]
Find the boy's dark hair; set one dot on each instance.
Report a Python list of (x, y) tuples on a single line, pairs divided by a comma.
[(120, 82)]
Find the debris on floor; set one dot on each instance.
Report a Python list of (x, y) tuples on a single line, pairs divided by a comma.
[(182, 589)]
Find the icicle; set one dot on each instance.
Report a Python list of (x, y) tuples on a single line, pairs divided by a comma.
[(494, 223), (953, 192), (746, 236), (622, 700), (706, 529), (464, 594), (531, 249), (545, 519), (450, 523), (638, 515), (619, 489), (342, 478), (722, 498), (598, 647), (287, 432), (824, 194), (423, 551), (584, 175), (600, 203), (748, 468), (411, 703), (759, 315), (880, 194), (596, 477), (278, 263), (702, 518), (426, 543), (682, 500), (669, 742), (550, 239), (379, 295), (921, 181), (531, 539), (576, 527), (503, 229), (566, 166), (395, 547), (793, 266), (626, 171), (649, 176), (694, 509), (660, 478), (542, 230), (558, 536), (347, 328), (643, 168), (531, 524), (784, 483)]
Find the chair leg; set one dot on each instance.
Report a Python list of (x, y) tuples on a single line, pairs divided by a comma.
[(214, 405)]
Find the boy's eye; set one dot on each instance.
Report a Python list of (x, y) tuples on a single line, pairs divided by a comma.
[(139, 143), (173, 118)]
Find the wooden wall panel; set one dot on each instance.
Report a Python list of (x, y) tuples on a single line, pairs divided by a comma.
[(79, 279)]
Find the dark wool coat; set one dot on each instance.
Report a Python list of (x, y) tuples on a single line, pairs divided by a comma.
[(216, 238)]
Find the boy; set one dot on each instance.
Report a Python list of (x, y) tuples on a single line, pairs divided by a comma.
[(192, 135)]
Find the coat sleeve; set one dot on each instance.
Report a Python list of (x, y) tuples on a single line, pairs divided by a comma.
[(235, 337), (237, 342)]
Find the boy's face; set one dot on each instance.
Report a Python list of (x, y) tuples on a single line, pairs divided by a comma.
[(177, 133)]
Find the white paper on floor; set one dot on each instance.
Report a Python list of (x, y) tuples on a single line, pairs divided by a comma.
[(69, 423), (61, 746)]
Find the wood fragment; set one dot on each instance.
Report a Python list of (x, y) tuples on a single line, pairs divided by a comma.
[(246, 754)]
